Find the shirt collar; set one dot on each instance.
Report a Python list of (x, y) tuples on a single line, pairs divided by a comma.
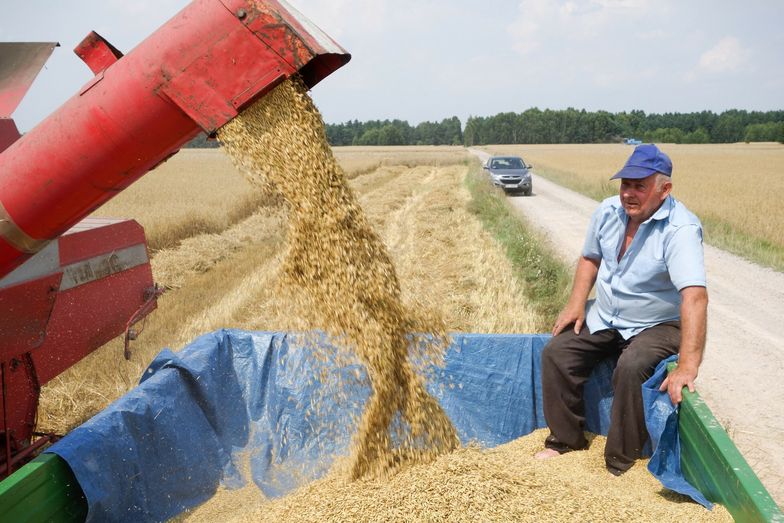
[(663, 212)]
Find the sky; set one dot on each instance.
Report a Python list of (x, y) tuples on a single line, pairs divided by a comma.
[(421, 60)]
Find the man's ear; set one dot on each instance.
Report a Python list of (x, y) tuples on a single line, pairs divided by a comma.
[(666, 189)]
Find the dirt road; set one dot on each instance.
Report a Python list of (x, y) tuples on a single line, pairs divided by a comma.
[(742, 376)]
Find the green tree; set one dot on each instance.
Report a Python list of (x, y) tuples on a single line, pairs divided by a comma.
[(390, 135), (369, 137), (698, 136)]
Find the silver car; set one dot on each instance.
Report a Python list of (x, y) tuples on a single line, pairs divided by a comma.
[(510, 173)]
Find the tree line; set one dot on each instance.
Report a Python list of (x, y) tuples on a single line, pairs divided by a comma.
[(396, 132), (581, 126), (561, 126), (379, 132)]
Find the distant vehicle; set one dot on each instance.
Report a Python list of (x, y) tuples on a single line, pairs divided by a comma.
[(632, 141), (510, 173)]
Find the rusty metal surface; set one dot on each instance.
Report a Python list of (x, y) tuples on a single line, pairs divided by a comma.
[(289, 34), (20, 63)]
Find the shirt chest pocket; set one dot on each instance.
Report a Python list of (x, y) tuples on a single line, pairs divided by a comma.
[(609, 246), (648, 275)]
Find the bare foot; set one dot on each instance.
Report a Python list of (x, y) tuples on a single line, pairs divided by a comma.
[(547, 454)]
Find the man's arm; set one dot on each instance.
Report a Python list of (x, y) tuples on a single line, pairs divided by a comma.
[(694, 321), (574, 312)]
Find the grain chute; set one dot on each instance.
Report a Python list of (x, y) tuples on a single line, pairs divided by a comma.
[(70, 284)]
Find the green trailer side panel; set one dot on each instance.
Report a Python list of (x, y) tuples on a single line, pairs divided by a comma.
[(43, 490), (713, 464)]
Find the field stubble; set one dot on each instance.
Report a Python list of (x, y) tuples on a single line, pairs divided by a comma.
[(195, 192)]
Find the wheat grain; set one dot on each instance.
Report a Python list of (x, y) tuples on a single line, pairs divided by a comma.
[(341, 278)]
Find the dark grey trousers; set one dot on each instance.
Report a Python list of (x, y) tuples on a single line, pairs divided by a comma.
[(567, 361)]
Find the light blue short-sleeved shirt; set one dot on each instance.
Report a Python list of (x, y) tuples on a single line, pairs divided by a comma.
[(643, 288)]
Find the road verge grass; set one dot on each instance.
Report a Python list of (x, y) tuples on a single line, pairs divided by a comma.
[(546, 279), (723, 235)]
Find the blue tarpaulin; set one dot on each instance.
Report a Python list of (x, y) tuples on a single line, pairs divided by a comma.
[(234, 395), (661, 420)]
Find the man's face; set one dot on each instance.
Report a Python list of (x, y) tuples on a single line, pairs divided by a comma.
[(641, 198)]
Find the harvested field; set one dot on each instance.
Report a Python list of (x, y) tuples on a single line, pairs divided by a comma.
[(357, 160), (177, 201), (471, 484), (731, 187)]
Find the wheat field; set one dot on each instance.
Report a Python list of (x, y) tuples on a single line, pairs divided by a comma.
[(733, 188)]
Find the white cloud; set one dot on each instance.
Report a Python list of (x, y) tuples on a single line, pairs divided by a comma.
[(654, 34), (622, 4), (568, 8), (525, 28), (727, 56), (542, 22)]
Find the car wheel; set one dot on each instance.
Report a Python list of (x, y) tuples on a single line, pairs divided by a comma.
[(528, 192)]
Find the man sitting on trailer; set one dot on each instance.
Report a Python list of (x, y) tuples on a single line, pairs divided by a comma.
[(643, 250)]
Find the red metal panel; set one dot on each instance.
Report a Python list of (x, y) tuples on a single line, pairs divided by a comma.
[(73, 298), (105, 237), (96, 52), (23, 389), (25, 308), (24, 313), (294, 38), (212, 100), (9, 256), (123, 122), (88, 316)]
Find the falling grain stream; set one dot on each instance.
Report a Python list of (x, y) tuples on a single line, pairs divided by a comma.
[(343, 276)]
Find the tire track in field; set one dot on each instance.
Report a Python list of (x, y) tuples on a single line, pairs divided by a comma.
[(446, 261)]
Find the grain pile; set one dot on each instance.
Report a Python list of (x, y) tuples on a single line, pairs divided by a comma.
[(501, 484), (340, 276)]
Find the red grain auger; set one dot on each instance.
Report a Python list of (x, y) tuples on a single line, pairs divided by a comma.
[(69, 284)]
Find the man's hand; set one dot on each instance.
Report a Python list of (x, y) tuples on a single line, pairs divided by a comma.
[(574, 312), (694, 319), (676, 380), (570, 314)]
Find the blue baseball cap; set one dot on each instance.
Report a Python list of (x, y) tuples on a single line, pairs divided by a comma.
[(646, 160)]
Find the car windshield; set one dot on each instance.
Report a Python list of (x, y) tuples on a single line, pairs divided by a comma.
[(506, 163)]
